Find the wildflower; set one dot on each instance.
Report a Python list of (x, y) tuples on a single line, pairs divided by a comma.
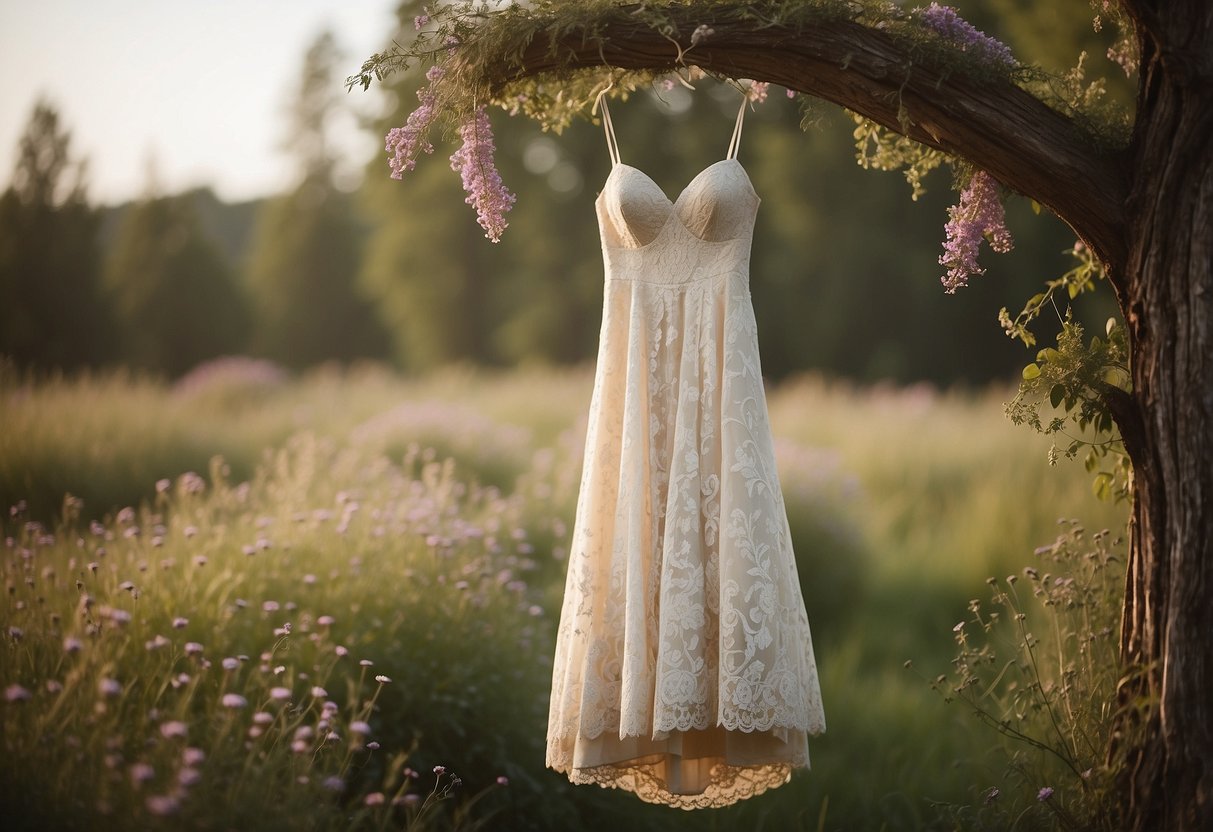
[(15, 633), (174, 730), (411, 799), (142, 772), (372, 745), (946, 22), (341, 651), (325, 620), (200, 560), (234, 701), (193, 756), (191, 483), (300, 746), (334, 783), (127, 585), (758, 91), (420, 21), (72, 645), (481, 180), (54, 686), (319, 692), (502, 780), (360, 727), (383, 680), (16, 693), (365, 662), (280, 694), (193, 648), (1044, 794), (180, 623), (270, 606), (978, 215), (262, 718), (407, 141), (439, 770), (163, 486), (190, 531), (109, 687), (162, 804), (189, 776)]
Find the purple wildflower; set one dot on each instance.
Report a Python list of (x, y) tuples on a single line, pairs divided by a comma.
[(174, 730), (163, 804), (968, 38), (420, 21), (16, 693), (758, 91), (407, 141), (978, 214), (1044, 794), (234, 701), (473, 161)]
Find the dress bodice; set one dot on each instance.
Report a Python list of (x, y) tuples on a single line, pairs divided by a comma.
[(718, 205)]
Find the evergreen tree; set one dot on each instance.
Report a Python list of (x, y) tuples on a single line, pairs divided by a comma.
[(51, 309), (307, 245), (174, 295)]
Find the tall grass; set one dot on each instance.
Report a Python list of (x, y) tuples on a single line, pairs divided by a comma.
[(420, 525)]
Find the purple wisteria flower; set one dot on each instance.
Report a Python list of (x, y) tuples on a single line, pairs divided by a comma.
[(473, 161), (978, 215), (407, 141), (966, 36)]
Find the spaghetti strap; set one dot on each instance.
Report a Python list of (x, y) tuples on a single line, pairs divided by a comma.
[(608, 127), (735, 142)]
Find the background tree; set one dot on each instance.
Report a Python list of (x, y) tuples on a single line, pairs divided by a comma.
[(175, 297), (52, 314), (307, 246), (1141, 206)]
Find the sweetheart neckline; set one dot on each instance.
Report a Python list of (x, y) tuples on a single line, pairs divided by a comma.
[(672, 214), (673, 203)]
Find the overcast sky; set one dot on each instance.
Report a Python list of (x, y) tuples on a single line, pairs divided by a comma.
[(200, 86)]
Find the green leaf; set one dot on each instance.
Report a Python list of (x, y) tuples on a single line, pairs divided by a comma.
[(1030, 372), (1056, 395), (1102, 486)]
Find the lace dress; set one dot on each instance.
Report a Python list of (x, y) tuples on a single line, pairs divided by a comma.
[(684, 667)]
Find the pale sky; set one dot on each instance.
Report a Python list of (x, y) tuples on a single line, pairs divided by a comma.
[(200, 86)]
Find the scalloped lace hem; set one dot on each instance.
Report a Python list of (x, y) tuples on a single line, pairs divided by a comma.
[(728, 785)]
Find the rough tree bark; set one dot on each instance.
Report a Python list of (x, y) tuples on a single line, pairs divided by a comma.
[(1148, 214)]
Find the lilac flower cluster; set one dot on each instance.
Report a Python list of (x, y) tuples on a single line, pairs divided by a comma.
[(473, 161), (948, 23), (978, 214), (408, 141)]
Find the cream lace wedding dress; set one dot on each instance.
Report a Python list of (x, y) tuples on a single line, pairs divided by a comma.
[(684, 668)]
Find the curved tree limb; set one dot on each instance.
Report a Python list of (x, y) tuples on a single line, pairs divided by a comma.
[(997, 126)]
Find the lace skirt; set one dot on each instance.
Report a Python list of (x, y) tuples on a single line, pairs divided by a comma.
[(684, 667)]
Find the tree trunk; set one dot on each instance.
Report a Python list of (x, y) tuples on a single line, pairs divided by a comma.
[(1167, 299)]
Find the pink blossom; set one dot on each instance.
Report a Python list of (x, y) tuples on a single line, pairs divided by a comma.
[(474, 163), (374, 799), (109, 687), (280, 694), (193, 756), (174, 730), (16, 693), (978, 215), (408, 141), (758, 91), (163, 804), (234, 701)]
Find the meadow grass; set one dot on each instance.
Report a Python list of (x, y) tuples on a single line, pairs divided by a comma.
[(196, 643)]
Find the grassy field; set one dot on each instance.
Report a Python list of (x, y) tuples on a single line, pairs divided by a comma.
[(276, 603)]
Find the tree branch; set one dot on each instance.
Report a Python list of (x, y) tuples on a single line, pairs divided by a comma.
[(997, 126)]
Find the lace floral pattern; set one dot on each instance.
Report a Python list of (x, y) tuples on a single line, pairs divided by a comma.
[(682, 611)]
